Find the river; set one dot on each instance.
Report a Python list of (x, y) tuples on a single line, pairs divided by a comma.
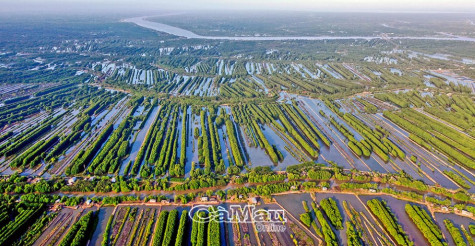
[(143, 22)]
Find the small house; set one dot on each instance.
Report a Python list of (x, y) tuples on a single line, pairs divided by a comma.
[(253, 200), (72, 180)]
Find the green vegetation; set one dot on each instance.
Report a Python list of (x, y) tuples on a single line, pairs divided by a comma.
[(306, 219), (236, 150), (107, 231), (472, 229), (182, 227), (77, 102), (390, 223), (426, 225), (332, 211), (80, 231), (459, 180), (353, 236), (12, 229), (428, 132), (198, 229), (328, 234), (159, 230), (83, 158), (213, 233), (35, 231), (171, 228), (454, 233)]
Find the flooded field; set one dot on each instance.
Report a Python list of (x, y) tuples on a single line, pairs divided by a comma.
[(103, 216), (457, 220), (397, 208), (139, 139), (371, 227)]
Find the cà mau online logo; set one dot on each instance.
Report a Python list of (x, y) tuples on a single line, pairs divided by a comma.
[(237, 214)]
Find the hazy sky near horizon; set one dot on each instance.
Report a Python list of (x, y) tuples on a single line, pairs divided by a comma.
[(299, 5)]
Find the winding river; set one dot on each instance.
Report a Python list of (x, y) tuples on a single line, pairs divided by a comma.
[(143, 22)]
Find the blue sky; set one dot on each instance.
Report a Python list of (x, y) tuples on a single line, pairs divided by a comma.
[(306, 5)]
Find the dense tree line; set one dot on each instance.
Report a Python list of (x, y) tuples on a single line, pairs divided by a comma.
[(353, 235), (332, 211), (293, 135), (50, 100), (213, 233), (107, 231), (168, 151), (426, 131), (10, 230), (67, 141), (170, 228), (205, 157), (198, 229), (34, 154), (454, 233), (328, 235), (244, 115), (218, 162), (182, 228), (35, 230), (108, 159), (84, 157), (455, 177), (236, 150), (184, 137), (29, 136), (389, 221), (160, 227), (79, 232), (425, 224), (146, 144)]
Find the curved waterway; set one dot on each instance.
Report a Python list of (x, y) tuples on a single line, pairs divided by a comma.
[(143, 22)]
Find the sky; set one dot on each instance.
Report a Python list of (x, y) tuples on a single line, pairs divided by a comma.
[(297, 5)]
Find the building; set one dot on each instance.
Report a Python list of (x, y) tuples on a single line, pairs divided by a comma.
[(254, 200), (204, 199), (72, 180)]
